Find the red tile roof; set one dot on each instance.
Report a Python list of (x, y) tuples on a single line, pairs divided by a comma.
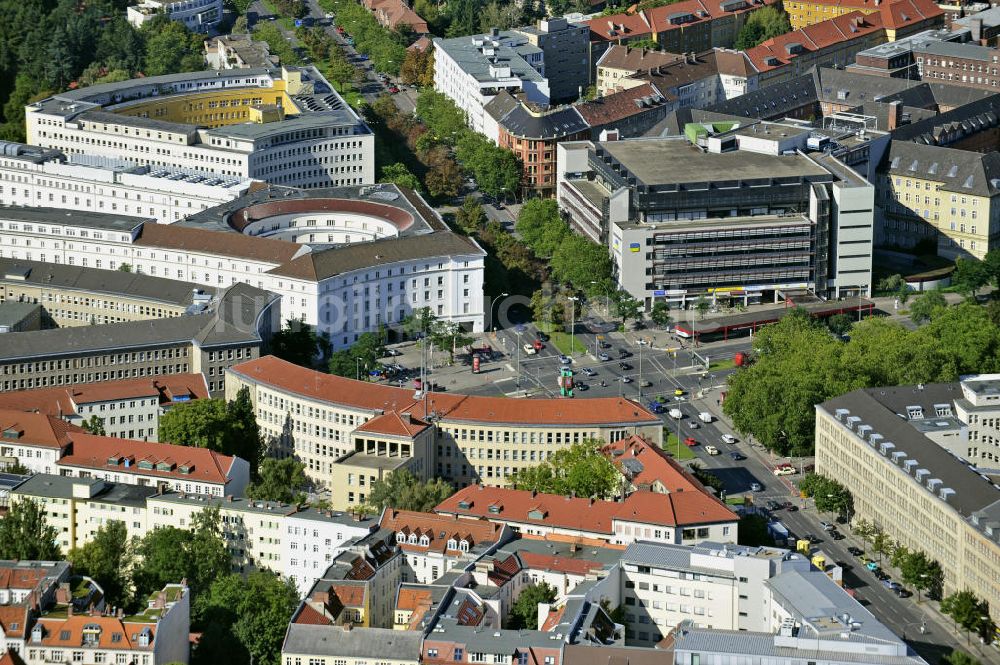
[(657, 467), (312, 617), (409, 599), (774, 53), (394, 424), (439, 529), (902, 13), (349, 595), (277, 373), (21, 578), (69, 632), (227, 243), (538, 561), (63, 401), (656, 20), (682, 508), (34, 429), (553, 619), (636, 59), (393, 13), (94, 452), (10, 658), (13, 619)]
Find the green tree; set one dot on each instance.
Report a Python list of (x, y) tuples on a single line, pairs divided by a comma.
[(926, 306), (450, 336), (660, 314), (524, 611), (170, 554), (959, 658), (470, 217), (548, 307), (203, 423), (171, 48), (240, 26), (369, 348), (579, 261), (629, 308), (970, 275), (280, 480), (702, 305), (882, 543), (444, 178), (24, 533), (969, 611), (109, 558), (863, 529), (581, 470), (541, 226), (399, 175), (760, 26), (299, 343), (828, 494), (402, 490), (840, 324), (125, 267), (921, 572), (244, 619), (94, 425), (706, 477)]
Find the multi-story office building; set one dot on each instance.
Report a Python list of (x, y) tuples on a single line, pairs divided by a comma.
[(470, 71), (899, 452), (32, 176), (19, 316), (353, 430), (72, 295), (779, 219), (196, 15), (128, 408), (565, 53), (687, 517), (231, 328), (944, 198), (286, 126), (345, 260)]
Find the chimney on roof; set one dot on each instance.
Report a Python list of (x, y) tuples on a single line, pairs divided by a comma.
[(534, 493), (229, 498), (976, 28), (121, 613), (69, 610), (895, 114)]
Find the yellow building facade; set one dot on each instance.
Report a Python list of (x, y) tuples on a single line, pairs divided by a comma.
[(807, 12)]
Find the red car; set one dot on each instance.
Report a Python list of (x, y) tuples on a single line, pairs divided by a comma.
[(538, 345), (690, 442), (393, 89)]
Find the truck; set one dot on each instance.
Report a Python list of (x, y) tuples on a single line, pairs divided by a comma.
[(705, 417), (675, 414), (779, 532)]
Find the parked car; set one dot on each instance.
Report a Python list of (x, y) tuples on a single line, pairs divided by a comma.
[(693, 424), (624, 367), (826, 526), (580, 386), (690, 442), (603, 357), (393, 89), (773, 505), (542, 336), (903, 593), (836, 535), (737, 457), (891, 584), (756, 487), (855, 551), (711, 450), (784, 470), (872, 566), (728, 438), (626, 379), (622, 353)]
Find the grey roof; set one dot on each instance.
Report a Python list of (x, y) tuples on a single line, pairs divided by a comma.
[(586, 654), (137, 121), (960, 171), (61, 487), (468, 54), (368, 643), (947, 127), (845, 87), (958, 50), (94, 280), (673, 123), (773, 101), (989, 17), (335, 517), (972, 492), (96, 220), (238, 310), (519, 121), (678, 557), (605, 556), (105, 89), (229, 503), (654, 162), (12, 312)]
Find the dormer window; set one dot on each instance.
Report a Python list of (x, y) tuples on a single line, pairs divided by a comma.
[(144, 637), (424, 540), (413, 539), (464, 545), (400, 537), (36, 634), (452, 544)]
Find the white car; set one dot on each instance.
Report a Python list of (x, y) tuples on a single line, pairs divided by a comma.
[(693, 424), (529, 349), (784, 470), (711, 450), (728, 438)]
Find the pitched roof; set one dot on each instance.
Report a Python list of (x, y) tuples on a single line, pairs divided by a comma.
[(394, 424), (68, 632), (310, 616), (20, 577), (963, 171), (439, 529), (636, 59), (586, 515), (902, 13), (95, 452), (644, 464), (349, 595), (235, 245), (35, 429), (663, 18), (13, 620), (298, 380), (538, 561), (781, 50), (619, 105), (61, 401)]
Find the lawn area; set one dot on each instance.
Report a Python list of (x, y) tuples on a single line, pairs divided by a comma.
[(670, 447), (286, 22), (562, 340), (735, 500), (726, 363)]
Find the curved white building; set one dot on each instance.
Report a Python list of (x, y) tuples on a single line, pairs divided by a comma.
[(285, 126)]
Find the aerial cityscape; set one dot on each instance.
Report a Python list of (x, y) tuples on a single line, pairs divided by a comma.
[(542, 332)]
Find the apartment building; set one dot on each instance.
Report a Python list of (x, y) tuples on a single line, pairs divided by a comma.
[(335, 645), (196, 15), (689, 26), (157, 635), (692, 78), (19, 317), (237, 51), (326, 421), (943, 198), (77, 296), (565, 50), (345, 260), (434, 544), (128, 409), (884, 446), (470, 71), (33, 440), (32, 176), (311, 539), (803, 13), (285, 126), (396, 14), (781, 219)]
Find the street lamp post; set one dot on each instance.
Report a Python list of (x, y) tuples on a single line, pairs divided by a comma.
[(493, 302), (357, 369), (607, 297), (572, 325), (517, 366)]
